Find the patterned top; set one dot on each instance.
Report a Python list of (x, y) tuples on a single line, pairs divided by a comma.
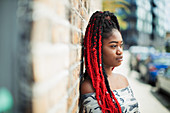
[(124, 96)]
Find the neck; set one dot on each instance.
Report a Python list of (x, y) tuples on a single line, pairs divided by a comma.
[(108, 70)]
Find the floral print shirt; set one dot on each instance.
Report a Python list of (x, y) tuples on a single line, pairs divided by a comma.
[(124, 96)]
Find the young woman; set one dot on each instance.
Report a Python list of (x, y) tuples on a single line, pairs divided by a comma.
[(102, 91)]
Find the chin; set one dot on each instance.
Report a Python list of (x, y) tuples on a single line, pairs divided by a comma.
[(117, 65)]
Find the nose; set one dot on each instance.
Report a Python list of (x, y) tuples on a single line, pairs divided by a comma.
[(119, 51)]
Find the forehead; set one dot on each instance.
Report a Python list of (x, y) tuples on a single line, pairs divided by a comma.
[(116, 36)]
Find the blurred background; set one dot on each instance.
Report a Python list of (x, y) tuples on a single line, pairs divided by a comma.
[(40, 52)]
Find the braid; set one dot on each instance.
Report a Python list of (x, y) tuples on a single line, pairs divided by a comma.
[(99, 28)]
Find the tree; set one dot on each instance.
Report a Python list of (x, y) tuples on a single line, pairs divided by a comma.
[(114, 6)]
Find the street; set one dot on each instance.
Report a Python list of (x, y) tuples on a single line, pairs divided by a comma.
[(150, 101)]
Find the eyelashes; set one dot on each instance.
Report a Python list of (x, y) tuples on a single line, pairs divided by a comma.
[(114, 46)]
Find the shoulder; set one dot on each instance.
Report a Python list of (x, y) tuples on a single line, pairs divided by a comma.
[(123, 81), (122, 77), (86, 87)]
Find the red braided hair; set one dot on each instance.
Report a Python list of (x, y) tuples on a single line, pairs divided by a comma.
[(93, 61)]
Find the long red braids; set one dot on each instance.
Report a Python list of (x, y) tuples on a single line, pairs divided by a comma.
[(100, 27)]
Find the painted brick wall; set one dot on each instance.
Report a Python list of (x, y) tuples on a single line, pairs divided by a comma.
[(57, 29)]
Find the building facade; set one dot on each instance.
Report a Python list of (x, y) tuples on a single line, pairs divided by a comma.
[(146, 23)]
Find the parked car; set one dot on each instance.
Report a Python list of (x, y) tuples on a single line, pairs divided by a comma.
[(163, 81), (139, 54), (150, 67)]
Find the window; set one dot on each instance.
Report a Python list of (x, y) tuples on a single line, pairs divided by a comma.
[(139, 25)]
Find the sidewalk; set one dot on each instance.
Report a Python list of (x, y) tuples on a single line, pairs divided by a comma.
[(144, 93)]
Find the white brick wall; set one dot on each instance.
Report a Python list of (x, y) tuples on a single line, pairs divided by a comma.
[(57, 29)]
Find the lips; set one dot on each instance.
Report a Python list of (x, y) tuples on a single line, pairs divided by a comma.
[(120, 58)]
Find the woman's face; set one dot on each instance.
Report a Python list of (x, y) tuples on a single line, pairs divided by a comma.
[(113, 49)]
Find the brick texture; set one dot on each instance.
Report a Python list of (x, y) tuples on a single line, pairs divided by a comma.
[(57, 30)]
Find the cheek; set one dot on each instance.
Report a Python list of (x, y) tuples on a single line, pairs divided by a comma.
[(109, 55)]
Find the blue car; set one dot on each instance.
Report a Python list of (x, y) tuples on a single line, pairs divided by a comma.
[(153, 64)]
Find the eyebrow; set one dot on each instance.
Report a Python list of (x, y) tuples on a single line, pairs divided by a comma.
[(115, 42)]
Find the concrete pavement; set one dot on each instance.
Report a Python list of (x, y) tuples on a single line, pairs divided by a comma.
[(149, 100)]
